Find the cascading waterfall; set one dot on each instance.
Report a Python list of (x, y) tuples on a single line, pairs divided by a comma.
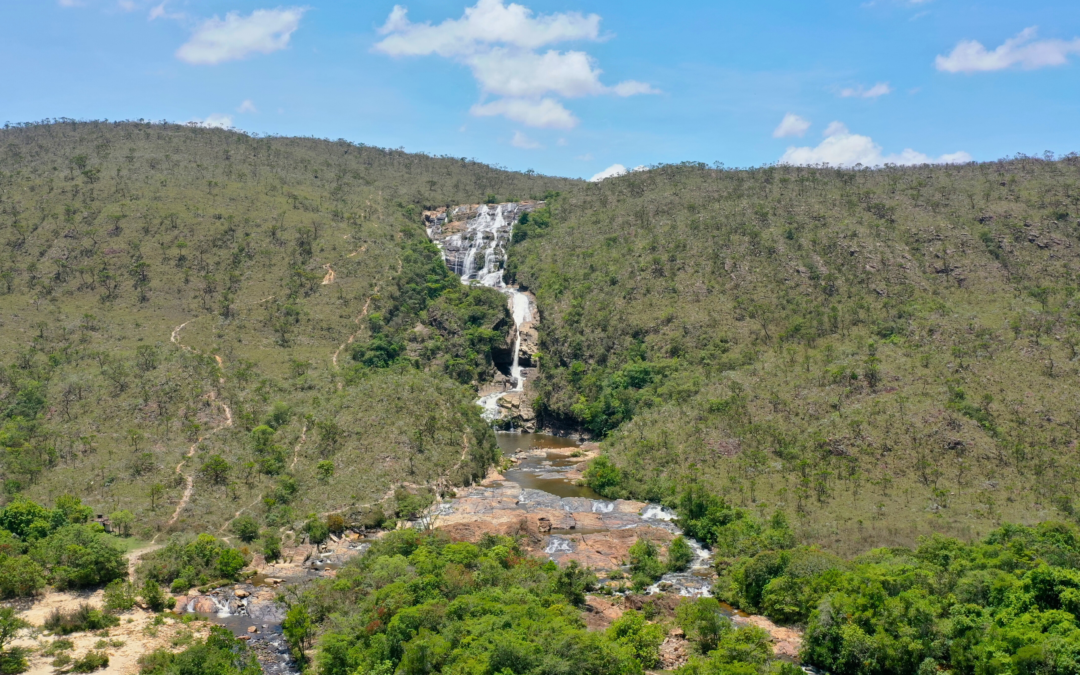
[(486, 237)]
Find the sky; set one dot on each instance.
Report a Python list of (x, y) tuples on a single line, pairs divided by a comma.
[(581, 88)]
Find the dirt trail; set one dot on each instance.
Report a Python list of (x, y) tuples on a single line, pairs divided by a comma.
[(358, 251), (329, 278), (352, 337), (189, 479), (296, 450)]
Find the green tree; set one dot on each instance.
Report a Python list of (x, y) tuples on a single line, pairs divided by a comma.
[(324, 470), (246, 528), (122, 521), (299, 631), (12, 659)]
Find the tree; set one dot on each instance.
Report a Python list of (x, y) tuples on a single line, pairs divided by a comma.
[(153, 596), (271, 546), (12, 660), (679, 555), (156, 490), (246, 528), (122, 521), (324, 470), (299, 630), (317, 531), (216, 470)]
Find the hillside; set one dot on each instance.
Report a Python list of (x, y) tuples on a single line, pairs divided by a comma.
[(190, 321), (880, 354)]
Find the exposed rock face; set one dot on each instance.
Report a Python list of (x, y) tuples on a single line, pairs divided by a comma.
[(595, 533)]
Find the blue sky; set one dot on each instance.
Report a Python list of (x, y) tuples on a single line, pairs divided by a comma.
[(570, 87)]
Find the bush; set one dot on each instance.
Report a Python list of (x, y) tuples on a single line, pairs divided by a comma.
[(185, 562), (90, 662), (82, 618), (271, 546), (152, 596), (119, 596), (679, 555), (20, 577), (78, 557), (246, 528), (219, 654), (703, 622)]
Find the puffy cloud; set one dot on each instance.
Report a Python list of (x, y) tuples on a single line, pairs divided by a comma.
[(879, 89), (247, 107), (500, 44), (791, 125), (610, 172), (215, 121), (70, 3), (489, 22), (522, 141), (843, 148), (546, 113), (235, 37), (970, 56)]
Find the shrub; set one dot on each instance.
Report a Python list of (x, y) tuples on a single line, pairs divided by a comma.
[(220, 654), (271, 546), (185, 562), (119, 596), (78, 557), (152, 596), (82, 618), (91, 661), (679, 555), (20, 577), (246, 528)]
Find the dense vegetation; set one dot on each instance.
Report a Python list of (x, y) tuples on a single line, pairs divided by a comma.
[(57, 546), (248, 317), (219, 654), (880, 354), (417, 603), (1007, 605)]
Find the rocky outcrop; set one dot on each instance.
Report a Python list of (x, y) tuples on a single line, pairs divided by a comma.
[(595, 533)]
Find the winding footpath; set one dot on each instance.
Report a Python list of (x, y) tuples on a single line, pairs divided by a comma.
[(189, 478)]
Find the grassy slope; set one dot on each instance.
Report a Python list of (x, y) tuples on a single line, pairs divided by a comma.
[(731, 315), (230, 236)]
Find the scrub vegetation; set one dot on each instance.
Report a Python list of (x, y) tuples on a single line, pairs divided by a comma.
[(879, 354), (197, 323)]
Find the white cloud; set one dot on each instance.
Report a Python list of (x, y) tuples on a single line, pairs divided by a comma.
[(235, 37), (561, 142), (791, 125), (879, 89), (610, 172), (587, 157), (487, 23), (970, 56), (546, 113), (500, 43), (215, 121), (522, 141), (247, 107), (127, 5), (843, 148), (160, 12), (70, 3)]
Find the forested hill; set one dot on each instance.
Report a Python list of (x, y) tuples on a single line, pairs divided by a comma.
[(882, 352), (189, 321)]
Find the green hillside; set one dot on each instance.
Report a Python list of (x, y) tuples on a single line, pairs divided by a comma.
[(166, 291), (879, 353)]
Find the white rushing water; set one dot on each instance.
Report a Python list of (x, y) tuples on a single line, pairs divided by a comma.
[(478, 255)]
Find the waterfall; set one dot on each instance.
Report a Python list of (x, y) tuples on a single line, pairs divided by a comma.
[(485, 238)]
